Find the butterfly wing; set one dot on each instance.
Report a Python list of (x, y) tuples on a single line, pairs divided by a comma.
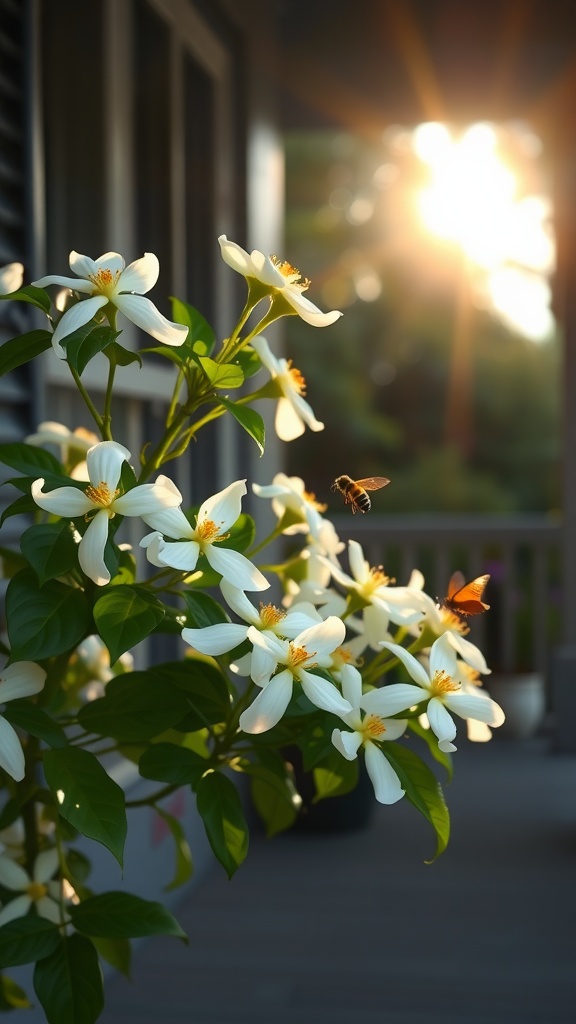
[(373, 483), (466, 598)]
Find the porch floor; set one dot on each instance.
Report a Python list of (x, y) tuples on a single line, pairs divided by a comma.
[(335, 928)]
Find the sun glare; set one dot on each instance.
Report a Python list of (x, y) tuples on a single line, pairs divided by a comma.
[(476, 200)]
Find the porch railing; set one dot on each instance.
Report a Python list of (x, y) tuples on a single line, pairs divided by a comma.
[(520, 552)]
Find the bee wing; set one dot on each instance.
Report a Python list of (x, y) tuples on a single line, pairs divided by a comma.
[(373, 483)]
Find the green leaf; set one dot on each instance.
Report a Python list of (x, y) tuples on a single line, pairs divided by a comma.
[(44, 621), (22, 349), (201, 337), (11, 562), (116, 952), (87, 797), (184, 868), (121, 915), (220, 808), (50, 549), (12, 997), (30, 460), (222, 375), (422, 789), (121, 356), (249, 362), (27, 939), (29, 293), (335, 776), (86, 343), (241, 535), (136, 706), (205, 688), (36, 721), (249, 419), (124, 615), (68, 983), (168, 762), (202, 610), (23, 506), (431, 742), (273, 794)]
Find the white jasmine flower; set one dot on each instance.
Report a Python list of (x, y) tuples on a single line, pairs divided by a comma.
[(73, 444), (102, 496), (440, 687), (11, 277), (289, 492), (369, 728), (310, 649), (292, 412), (109, 280), (385, 603), (215, 517), (37, 890), (21, 679), (280, 278), (225, 636)]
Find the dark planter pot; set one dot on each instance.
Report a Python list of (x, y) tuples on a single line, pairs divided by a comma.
[(346, 813)]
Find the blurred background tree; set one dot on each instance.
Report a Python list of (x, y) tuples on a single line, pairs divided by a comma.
[(444, 372)]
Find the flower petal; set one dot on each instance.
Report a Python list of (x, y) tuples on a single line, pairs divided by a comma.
[(111, 261), (323, 694), (387, 788), (11, 754), (142, 312), (442, 656), (84, 266), (266, 272), (442, 724), (104, 461), (351, 685), (469, 653), (45, 865), (236, 599), (11, 277), (223, 508), (415, 669), (267, 709), (62, 501), (467, 705), (181, 554), (270, 644), (394, 698), (141, 275), (145, 499), (21, 679), (322, 638), (12, 875), (171, 522), (262, 665), (16, 908), (236, 568), (305, 412), (48, 908), (359, 567), (154, 544), (287, 423), (217, 639), (84, 287), (347, 743), (308, 311), (91, 549), (78, 315), (236, 257)]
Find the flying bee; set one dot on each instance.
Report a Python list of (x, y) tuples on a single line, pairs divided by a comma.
[(466, 598), (354, 491)]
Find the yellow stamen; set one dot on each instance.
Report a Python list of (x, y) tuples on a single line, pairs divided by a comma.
[(105, 280), (270, 615), (373, 727), (443, 683), (101, 494), (36, 891), (298, 654), (292, 275), (208, 530), (310, 498), (453, 622), (297, 379)]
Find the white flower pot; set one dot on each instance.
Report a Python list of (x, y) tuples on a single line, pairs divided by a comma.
[(522, 696)]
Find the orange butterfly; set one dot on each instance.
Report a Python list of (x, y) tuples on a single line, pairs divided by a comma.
[(466, 598)]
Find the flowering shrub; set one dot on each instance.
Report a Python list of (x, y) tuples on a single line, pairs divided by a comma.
[(306, 667)]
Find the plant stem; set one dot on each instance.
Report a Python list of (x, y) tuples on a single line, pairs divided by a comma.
[(87, 400)]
